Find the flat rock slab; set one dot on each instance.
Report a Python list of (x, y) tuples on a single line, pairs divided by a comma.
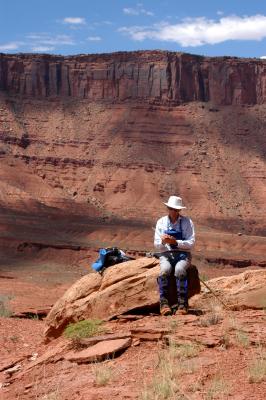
[(149, 333), (99, 351), (6, 364), (54, 353), (129, 317), (209, 341), (102, 338), (26, 313)]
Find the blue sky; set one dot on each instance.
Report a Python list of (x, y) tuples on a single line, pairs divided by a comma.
[(67, 27)]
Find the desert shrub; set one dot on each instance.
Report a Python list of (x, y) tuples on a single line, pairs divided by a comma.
[(257, 369), (83, 329), (4, 310), (102, 374), (162, 388), (211, 319), (165, 384), (184, 350), (242, 338), (218, 388), (225, 339)]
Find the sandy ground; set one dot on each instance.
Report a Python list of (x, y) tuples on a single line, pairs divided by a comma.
[(221, 371)]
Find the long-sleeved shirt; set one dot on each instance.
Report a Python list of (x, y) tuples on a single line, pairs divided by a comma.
[(188, 233)]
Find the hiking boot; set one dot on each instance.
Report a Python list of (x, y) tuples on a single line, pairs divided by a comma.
[(163, 282), (182, 295), (165, 309), (174, 308), (181, 310)]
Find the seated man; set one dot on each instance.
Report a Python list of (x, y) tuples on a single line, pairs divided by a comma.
[(174, 237)]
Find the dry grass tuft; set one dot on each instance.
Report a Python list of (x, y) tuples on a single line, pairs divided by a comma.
[(103, 374), (257, 369), (44, 390), (214, 316), (218, 388), (4, 309), (184, 350), (242, 338), (162, 388), (50, 396), (210, 319), (165, 384)]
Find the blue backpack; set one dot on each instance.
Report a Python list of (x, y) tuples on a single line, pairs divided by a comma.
[(108, 257)]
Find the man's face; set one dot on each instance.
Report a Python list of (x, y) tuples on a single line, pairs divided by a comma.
[(173, 213)]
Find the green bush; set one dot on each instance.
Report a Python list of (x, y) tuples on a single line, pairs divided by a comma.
[(83, 329)]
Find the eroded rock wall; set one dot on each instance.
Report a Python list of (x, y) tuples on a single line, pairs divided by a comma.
[(150, 75), (112, 136)]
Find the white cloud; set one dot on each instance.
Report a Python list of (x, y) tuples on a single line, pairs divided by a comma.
[(130, 11), (106, 22), (200, 31), (94, 38), (137, 11), (102, 23), (39, 42), (263, 57), (45, 39), (74, 20), (149, 13), (43, 49), (10, 46)]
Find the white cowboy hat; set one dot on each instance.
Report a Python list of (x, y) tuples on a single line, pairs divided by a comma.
[(175, 202)]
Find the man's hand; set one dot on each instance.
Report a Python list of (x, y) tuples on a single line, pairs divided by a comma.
[(167, 239)]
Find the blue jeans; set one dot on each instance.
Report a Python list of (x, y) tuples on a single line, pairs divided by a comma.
[(180, 261)]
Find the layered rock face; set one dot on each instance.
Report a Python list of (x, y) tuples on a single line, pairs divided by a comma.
[(164, 76), (96, 143)]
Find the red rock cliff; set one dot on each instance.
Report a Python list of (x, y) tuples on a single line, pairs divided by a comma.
[(96, 138), (152, 75)]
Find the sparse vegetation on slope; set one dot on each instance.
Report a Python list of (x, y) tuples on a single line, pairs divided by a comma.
[(83, 329)]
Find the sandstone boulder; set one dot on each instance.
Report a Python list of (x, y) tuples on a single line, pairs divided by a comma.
[(132, 285), (245, 290), (122, 288)]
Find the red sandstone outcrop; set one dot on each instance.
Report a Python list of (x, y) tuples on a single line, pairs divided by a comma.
[(132, 285), (155, 75), (122, 288), (246, 290)]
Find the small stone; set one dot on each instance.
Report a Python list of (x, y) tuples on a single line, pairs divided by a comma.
[(11, 371), (4, 384), (28, 386), (33, 357)]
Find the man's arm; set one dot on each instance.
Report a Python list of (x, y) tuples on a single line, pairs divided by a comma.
[(188, 234), (159, 230)]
